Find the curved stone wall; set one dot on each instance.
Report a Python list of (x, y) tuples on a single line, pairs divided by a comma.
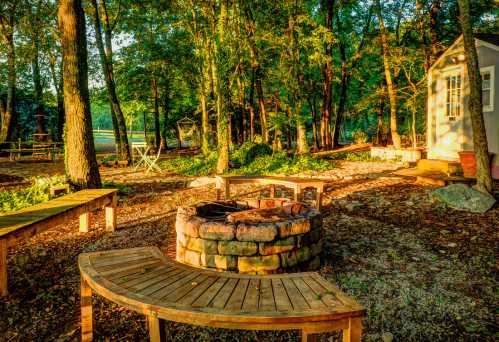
[(254, 236)]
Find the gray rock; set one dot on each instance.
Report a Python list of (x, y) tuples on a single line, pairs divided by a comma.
[(462, 197)]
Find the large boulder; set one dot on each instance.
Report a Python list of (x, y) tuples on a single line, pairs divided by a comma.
[(462, 197)]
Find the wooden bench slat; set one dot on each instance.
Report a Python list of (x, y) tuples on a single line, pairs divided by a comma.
[(161, 284), (224, 294), (117, 262), (206, 298), (236, 299), (124, 281), (187, 287), (142, 281), (131, 267), (196, 291), (252, 298), (267, 302), (120, 264), (312, 299), (297, 300), (281, 298), (104, 261), (329, 299), (181, 280)]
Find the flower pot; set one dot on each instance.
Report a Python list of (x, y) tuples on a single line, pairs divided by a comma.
[(468, 163)]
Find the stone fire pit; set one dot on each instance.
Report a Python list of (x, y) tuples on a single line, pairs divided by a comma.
[(250, 236)]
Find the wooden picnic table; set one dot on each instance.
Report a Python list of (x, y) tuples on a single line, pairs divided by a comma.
[(144, 280), (25, 223), (298, 184)]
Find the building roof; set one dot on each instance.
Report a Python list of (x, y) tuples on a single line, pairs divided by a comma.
[(490, 38)]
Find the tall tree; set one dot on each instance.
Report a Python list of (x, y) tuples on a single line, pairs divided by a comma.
[(7, 26), (106, 57), (220, 69), (484, 178), (327, 7), (80, 159), (390, 84)]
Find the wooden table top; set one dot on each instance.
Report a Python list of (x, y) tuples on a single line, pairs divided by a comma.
[(273, 179), (144, 280), (28, 216)]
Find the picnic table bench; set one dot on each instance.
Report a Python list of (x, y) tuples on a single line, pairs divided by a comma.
[(28, 222), (298, 184), (144, 280)]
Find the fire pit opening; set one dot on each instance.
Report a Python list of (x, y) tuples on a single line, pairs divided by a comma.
[(254, 236)]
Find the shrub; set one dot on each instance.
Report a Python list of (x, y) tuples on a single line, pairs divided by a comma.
[(360, 137), (37, 193), (281, 163), (249, 151), (198, 165)]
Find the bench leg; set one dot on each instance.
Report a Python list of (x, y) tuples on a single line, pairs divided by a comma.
[(111, 215), (3, 268), (318, 199), (354, 331), (157, 331), (272, 191), (85, 222), (308, 337), (86, 312)]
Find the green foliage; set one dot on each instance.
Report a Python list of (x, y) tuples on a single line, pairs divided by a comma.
[(360, 137), (36, 193), (249, 151), (364, 156), (281, 163), (123, 189), (198, 165), (276, 164)]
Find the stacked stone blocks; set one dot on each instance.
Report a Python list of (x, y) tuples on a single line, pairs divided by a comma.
[(289, 240)]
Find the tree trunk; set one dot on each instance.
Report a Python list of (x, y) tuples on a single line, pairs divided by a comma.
[(435, 43), (9, 120), (81, 162), (58, 85), (164, 131), (392, 90), (380, 111), (338, 120), (252, 106), (157, 128), (38, 90), (327, 85), (220, 78), (483, 176), (106, 56)]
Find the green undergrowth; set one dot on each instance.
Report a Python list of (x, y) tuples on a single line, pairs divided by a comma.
[(277, 163), (364, 156), (38, 192), (122, 189)]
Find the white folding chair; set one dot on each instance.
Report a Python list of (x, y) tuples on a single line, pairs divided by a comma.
[(152, 163)]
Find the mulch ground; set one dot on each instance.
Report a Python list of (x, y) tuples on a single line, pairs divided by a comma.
[(423, 272)]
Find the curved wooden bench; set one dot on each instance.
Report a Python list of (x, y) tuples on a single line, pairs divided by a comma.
[(144, 280)]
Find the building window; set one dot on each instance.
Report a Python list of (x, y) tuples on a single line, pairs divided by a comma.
[(488, 88), (453, 96)]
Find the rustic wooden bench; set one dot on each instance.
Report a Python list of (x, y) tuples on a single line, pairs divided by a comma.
[(30, 221), (298, 184), (144, 280)]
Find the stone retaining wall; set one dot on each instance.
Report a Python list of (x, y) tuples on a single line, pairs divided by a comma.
[(247, 242)]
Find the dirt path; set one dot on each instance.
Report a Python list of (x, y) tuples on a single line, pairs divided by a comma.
[(422, 271)]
